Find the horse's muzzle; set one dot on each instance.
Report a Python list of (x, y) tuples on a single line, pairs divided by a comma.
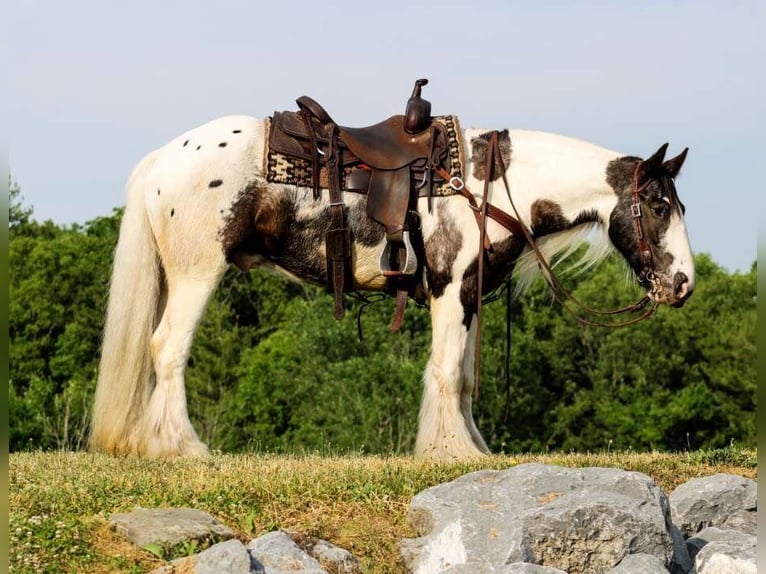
[(682, 289), (674, 293)]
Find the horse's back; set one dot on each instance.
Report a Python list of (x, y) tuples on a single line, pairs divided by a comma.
[(225, 150)]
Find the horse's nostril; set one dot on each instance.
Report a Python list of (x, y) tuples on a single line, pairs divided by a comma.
[(681, 286)]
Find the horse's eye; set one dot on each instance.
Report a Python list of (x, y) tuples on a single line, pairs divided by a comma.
[(661, 211)]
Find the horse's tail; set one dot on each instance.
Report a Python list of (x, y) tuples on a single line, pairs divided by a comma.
[(126, 374)]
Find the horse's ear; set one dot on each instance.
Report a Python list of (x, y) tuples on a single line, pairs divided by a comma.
[(673, 166), (649, 167)]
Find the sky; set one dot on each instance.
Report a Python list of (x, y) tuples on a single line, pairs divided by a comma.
[(94, 86)]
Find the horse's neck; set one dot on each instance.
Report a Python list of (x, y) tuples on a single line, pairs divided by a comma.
[(558, 170)]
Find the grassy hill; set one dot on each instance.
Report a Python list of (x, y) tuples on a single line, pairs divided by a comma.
[(60, 503)]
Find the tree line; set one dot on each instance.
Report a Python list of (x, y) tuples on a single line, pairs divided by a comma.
[(270, 370)]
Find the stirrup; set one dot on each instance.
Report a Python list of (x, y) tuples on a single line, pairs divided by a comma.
[(410, 260)]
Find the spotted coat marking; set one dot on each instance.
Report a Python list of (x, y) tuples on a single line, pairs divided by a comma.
[(548, 217), (479, 149), (441, 250), (267, 222), (498, 265)]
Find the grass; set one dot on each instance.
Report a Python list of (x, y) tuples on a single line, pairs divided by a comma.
[(60, 503)]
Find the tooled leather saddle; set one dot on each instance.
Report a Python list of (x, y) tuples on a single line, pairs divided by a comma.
[(393, 162)]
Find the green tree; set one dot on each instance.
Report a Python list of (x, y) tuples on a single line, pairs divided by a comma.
[(312, 385), (18, 214), (58, 283), (684, 378)]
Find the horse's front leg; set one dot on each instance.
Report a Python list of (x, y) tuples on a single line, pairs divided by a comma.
[(446, 430)]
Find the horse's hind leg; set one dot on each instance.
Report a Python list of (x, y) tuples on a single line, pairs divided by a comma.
[(445, 430), (166, 429)]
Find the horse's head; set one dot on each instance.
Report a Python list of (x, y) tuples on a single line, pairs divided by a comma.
[(647, 225)]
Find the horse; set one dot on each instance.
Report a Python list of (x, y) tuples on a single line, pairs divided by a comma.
[(202, 203)]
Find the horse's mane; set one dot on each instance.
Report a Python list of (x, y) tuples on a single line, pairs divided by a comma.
[(558, 249)]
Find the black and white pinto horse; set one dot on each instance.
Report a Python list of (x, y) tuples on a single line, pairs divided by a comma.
[(201, 203)]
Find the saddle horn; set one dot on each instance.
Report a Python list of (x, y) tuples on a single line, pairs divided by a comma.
[(417, 116)]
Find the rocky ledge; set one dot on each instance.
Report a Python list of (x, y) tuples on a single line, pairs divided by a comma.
[(529, 519)]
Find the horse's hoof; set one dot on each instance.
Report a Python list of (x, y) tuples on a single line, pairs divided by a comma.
[(195, 449)]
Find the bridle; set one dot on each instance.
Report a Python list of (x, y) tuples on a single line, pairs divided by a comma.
[(646, 276)]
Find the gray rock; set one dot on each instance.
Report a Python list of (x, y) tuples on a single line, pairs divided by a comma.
[(515, 568), (336, 558), (709, 501), (230, 557), (169, 527), (639, 563), (527, 568), (276, 553), (728, 557), (744, 521), (733, 538), (443, 548), (471, 568), (681, 563), (577, 520)]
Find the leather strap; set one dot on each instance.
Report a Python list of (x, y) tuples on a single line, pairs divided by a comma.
[(337, 214), (402, 294), (480, 268), (305, 115), (647, 272), (313, 107)]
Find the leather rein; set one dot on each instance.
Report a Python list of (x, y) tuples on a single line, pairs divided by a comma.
[(578, 310)]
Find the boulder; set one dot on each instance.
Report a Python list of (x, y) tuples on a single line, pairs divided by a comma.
[(515, 568), (169, 527), (527, 568), (276, 553), (728, 557), (743, 521), (230, 557), (273, 553), (576, 520), (725, 537), (710, 501), (338, 559)]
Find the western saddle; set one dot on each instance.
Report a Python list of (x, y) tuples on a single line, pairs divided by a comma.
[(393, 162)]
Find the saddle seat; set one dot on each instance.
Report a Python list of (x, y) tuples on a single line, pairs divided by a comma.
[(385, 145)]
